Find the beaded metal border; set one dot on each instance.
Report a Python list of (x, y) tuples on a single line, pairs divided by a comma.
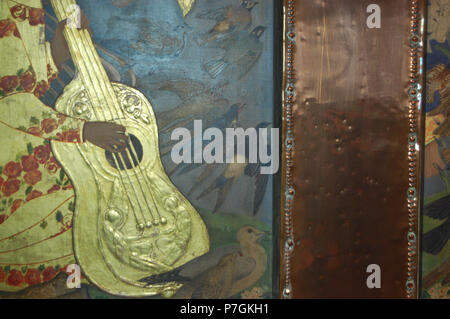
[(289, 192), (415, 104)]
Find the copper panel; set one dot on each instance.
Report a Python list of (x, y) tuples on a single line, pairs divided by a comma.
[(352, 130)]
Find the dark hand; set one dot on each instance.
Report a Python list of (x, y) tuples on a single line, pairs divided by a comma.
[(109, 136), (60, 49)]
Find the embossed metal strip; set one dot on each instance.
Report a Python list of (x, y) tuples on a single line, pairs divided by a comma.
[(288, 146), (415, 141)]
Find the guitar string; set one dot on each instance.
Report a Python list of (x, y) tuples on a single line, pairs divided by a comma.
[(120, 175), (102, 84), (118, 110), (82, 66), (91, 55), (118, 159), (96, 63)]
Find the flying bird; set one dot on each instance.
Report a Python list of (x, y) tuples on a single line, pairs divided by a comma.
[(230, 20), (227, 119), (243, 52), (221, 273), (233, 172), (197, 102)]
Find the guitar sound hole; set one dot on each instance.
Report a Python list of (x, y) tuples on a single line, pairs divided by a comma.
[(111, 158)]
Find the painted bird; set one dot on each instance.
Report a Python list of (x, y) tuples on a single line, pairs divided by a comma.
[(227, 119), (242, 52), (436, 239), (221, 273), (230, 20), (233, 171), (197, 101)]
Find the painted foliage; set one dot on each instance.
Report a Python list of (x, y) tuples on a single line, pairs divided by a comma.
[(436, 213)]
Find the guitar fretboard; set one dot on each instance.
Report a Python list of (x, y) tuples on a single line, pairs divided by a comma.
[(87, 62)]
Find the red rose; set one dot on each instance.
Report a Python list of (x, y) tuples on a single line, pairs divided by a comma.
[(61, 118), (35, 130), (7, 28), (41, 88), (16, 204), (36, 16), (49, 273), (49, 125), (33, 277), (10, 187), (15, 278), (52, 166), (19, 12), (69, 136), (2, 275), (28, 81), (2, 218), (9, 83), (34, 194), (68, 187), (32, 177), (51, 75), (42, 153), (29, 163), (1, 182), (54, 189), (12, 169)]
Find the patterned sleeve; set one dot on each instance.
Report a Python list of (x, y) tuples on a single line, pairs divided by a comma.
[(20, 107), (26, 113)]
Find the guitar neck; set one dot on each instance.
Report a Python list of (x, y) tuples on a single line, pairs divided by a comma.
[(87, 62)]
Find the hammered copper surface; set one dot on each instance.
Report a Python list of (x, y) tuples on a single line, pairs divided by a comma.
[(351, 149)]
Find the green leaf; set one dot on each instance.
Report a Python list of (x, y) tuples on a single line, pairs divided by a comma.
[(19, 88), (58, 182), (4, 201), (44, 224), (22, 128), (24, 269), (59, 216), (28, 190), (41, 268), (61, 175), (34, 120), (72, 206), (46, 142), (20, 72), (57, 267), (3, 94), (30, 148), (1, 169), (426, 295), (10, 201), (7, 269), (66, 183), (18, 157)]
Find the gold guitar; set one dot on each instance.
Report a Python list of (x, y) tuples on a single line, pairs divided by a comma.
[(130, 221)]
